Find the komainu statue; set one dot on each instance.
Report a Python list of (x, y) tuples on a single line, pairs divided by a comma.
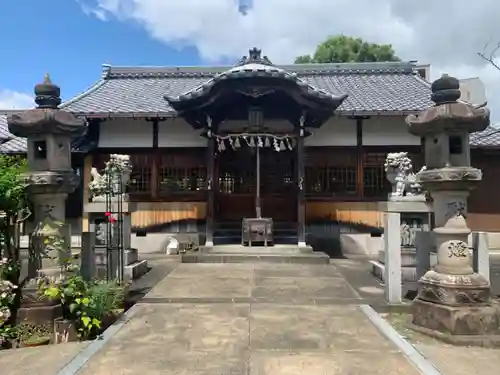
[(399, 171)]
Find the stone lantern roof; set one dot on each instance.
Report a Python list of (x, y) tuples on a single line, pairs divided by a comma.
[(47, 118), (448, 113)]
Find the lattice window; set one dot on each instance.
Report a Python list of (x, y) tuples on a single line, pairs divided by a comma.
[(330, 172), (140, 177), (330, 181), (375, 181), (181, 173)]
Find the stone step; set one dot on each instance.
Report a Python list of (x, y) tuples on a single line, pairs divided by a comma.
[(239, 254)]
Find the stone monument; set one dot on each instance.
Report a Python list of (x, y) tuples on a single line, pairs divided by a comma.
[(110, 213), (405, 213), (453, 302), (51, 178)]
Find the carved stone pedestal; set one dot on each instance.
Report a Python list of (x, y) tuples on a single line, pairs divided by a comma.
[(456, 320)]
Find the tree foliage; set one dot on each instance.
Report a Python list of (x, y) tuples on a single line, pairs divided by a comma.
[(342, 49), (12, 190)]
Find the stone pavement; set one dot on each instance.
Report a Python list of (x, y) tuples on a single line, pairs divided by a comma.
[(213, 319), (42, 360)]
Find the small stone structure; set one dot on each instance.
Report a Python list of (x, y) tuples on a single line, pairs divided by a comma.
[(109, 201), (406, 212), (51, 178), (453, 302), (410, 217)]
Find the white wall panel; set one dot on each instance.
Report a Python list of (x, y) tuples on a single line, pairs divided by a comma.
[(178, 133), (125, 133)]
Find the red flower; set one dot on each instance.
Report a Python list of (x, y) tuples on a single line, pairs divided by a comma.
[(112, 220), (107, 214)]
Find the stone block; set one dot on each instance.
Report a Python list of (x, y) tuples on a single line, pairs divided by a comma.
[(408, 257), (130, 256), (39, 315), (355, 243), (135, 270), (456, 320)]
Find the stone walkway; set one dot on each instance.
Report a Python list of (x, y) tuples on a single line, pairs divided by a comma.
[(210, 319)]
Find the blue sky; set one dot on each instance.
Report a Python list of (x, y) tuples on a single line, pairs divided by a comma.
[(71, 39), (61, 39)]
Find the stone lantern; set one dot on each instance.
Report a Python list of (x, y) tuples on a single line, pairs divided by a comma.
[(452, 300), (51, 178)]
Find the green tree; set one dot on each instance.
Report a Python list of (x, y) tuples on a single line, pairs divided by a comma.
[(342, 49), (13, 210)]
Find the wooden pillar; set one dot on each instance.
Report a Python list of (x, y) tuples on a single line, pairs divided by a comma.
[(301, 210), (87, 166), (360, 169), (156, 161), (209, 242)]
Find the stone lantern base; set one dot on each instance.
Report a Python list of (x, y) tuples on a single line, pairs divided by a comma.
[(458, 325), (457, 309)]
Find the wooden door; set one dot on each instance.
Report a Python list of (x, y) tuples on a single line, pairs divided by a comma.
[(235, 193), (278, 186)]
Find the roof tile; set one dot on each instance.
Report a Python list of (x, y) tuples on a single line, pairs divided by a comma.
[(372, 87)]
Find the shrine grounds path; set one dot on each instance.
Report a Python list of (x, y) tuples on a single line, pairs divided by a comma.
[(238, 319), (251, 320)]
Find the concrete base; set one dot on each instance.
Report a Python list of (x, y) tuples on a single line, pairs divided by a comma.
[(130, 256), (408, 274), (244, 254), (135, 270), (460, 325)]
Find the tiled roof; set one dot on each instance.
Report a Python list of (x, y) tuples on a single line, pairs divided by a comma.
[(372, 88), (16, 145), (487, 138)]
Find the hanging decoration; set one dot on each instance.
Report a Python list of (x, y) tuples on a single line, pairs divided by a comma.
[(235, 141)]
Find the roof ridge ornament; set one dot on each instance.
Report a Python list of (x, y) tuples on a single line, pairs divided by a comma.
[(254, 57)]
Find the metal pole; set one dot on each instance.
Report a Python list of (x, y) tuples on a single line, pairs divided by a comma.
[(257, 193)]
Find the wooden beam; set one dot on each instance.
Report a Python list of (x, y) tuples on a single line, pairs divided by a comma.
[(360, 174), (210, 189), (301, 208)]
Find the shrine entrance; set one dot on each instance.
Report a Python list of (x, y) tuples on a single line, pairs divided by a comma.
[(237, 179), (255, 92)]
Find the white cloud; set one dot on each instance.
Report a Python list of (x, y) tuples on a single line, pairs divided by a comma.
[(15, 100), (446, 33)]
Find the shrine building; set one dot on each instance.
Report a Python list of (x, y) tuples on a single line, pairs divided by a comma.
[(300, 144)]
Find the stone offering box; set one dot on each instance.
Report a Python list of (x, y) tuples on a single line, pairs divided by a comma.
[(133, 267), (257, 231)]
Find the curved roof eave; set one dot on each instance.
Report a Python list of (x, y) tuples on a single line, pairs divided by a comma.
[(255, 70)]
